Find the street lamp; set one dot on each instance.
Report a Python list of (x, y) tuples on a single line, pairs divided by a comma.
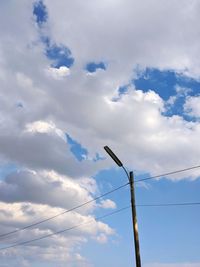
[(134, 217)]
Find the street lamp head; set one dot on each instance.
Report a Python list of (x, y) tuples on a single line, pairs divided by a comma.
[(113, 156)]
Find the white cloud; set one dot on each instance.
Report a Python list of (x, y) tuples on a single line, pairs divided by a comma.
[(107, 204), (192, 106), (58, 73), (41, 145), (44, 127), (24, 81), (125, 34), (44, 188), (142, 35), (180, 92), (57, 248)]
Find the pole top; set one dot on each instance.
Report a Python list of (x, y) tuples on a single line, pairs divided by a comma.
[(113, 156)]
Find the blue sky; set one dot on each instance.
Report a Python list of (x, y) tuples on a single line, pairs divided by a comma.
[(74, 78)]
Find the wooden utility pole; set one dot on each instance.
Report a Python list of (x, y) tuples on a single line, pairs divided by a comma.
[(134, 219)]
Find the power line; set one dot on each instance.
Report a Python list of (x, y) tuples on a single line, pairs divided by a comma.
[(66, 230), (92, 200), (169, 204), (61, 213), (167, 174), (99, 218)]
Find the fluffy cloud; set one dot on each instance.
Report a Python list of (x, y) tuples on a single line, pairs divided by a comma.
[(129, 32), (58, 73), (43, 188), (82, 104), (40, 103), (192, 106), (107, 204), (40, 145), (57, 248), (24, 213)]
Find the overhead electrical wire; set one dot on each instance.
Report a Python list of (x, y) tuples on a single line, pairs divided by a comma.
[(96, 219), (169, 204), (61, 213), (167, 174), (65, 230), (94, 199)]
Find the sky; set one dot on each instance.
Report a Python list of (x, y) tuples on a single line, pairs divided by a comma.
[(76, 76)]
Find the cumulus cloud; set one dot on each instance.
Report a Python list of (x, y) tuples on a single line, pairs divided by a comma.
[(82, 106), (43, 188), (107, 204), (192, 106), (141, 36), (39, 104), (24, 213), (40, 145), (58, 73), (57, 248)]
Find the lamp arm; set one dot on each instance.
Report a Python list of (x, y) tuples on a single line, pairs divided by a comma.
[(126, 172)]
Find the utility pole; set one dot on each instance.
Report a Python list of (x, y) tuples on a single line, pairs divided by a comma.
[(134, 217), (134, 220)]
